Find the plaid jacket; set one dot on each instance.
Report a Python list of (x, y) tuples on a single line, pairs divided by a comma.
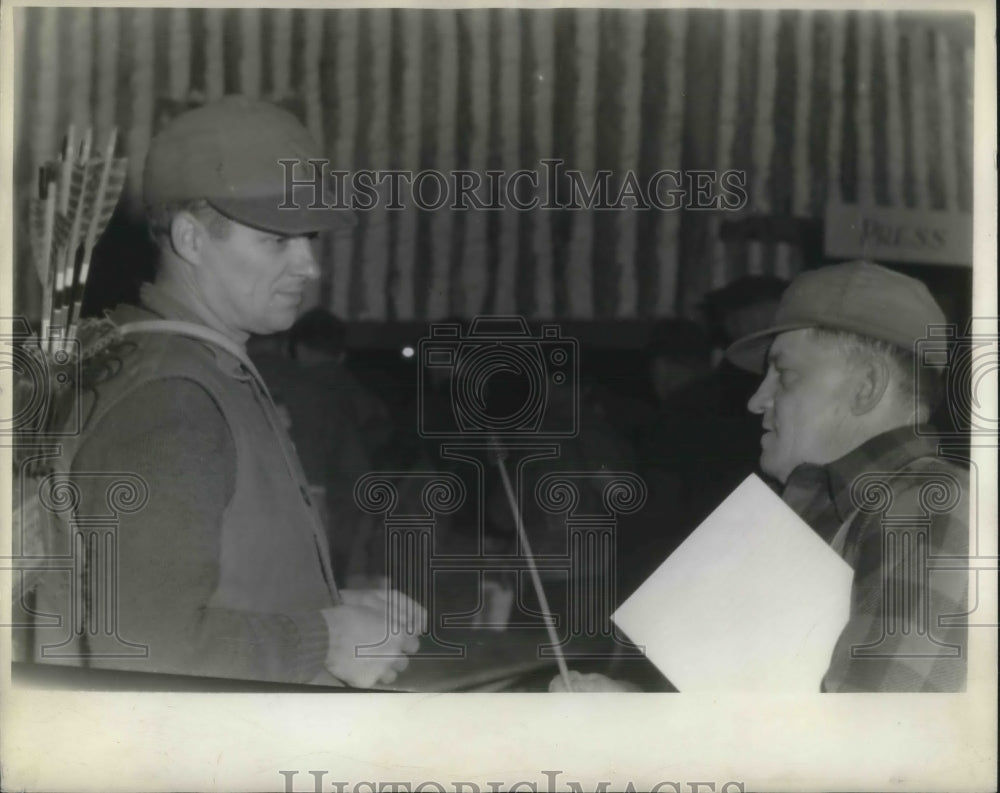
[(905, 510)]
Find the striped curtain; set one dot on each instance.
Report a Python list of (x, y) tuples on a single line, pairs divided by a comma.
[(814, 106)]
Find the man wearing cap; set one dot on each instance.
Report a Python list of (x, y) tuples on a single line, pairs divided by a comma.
[(843, 412), (224, 570), (842, 409)]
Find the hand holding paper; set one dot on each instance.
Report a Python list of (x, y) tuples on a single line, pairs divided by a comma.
[(753, 600)]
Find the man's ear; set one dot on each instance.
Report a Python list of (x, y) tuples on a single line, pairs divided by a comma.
[(872, 378), (187, 237)]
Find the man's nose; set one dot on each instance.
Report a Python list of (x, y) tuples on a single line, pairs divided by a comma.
[(761, 398), (304, 259)]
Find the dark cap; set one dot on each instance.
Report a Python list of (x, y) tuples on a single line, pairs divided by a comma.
[(228, 154), (859, 297), (745, 291), (679, 340)]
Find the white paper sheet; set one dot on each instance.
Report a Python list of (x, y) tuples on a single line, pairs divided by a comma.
[(753, 600)]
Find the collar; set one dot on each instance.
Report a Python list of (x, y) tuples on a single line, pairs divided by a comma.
[(888, 451), (157, 302), (161, 300)]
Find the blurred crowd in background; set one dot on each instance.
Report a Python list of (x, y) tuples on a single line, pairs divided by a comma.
[(673, 412)]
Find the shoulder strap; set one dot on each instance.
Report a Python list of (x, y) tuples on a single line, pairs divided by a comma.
[(192, 330)]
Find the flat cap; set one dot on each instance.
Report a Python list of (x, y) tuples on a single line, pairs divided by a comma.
[(228, 153), (860, 297)]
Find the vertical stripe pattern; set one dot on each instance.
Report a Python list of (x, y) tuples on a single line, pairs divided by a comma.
[(918, 116), (472, 267), (214, 52), (729, 79), (107, 71), (343, 40), (543, 43), (46, 127), (510, 155), (893, 110), (812, 106), (438, 304), (405, 255), (82, 54), (250, 55), (946, 114), (141, 41), (763, 132), (863, 114), (835, 68), (803, 97), (281, 53), (310, 73), (667, 237), (180, 53), (578, 267), (628, 162), (375, 248)]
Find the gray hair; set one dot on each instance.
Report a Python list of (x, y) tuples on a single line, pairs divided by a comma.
[(919, 395)]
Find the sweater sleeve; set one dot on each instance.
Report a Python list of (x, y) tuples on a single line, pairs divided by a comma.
[(171, 433)]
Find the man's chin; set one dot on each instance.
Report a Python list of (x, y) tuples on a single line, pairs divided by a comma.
[(280, 321), (771, 468)]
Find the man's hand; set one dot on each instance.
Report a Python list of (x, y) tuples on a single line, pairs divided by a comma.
[(402, 610), (589, 683), (369, 617)]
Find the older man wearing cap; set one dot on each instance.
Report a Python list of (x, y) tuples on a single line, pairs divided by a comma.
[(225, 570), (841, 405)]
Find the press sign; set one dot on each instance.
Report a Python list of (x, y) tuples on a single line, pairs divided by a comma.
[(899, 235)]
